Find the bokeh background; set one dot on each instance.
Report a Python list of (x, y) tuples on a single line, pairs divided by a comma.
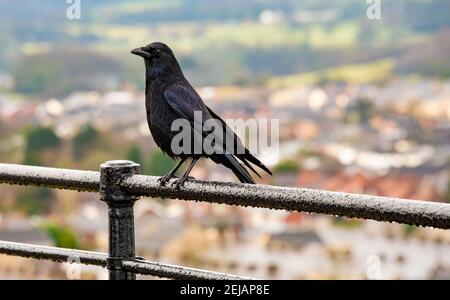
[(363, 104)]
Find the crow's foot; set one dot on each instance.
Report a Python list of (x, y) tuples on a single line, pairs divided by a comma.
[(180, 181), (165, 179)]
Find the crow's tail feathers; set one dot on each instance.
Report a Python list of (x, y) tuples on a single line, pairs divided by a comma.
[(247, 156), (238, 169)]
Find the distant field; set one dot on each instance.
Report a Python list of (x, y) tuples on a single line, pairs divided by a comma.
[(191, 36), (138, 6), (226, 42), (377, 71)]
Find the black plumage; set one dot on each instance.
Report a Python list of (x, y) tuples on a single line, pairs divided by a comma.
[(168, 97)]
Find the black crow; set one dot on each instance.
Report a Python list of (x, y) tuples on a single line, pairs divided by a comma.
[(169, 97)]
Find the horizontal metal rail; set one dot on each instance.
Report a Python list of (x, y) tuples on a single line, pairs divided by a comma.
[(143, 267), (82, 181), (398, 210)]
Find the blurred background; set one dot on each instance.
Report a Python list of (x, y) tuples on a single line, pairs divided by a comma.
[(363, 104)]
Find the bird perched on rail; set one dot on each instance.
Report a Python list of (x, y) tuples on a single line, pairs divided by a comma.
[(170, 97)]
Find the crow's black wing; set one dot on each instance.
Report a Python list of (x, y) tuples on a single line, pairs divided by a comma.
[(185, 101), (244, 154)]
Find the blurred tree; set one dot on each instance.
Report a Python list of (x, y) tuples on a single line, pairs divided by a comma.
[(38, 139), (84, 141), (286, 166), (34, 201), (62, 236), (41, 138), (360, 112), (38, 74), (159, 164), (62, 70), (134, 154), (409, 229), (347, 223), (31, 158)]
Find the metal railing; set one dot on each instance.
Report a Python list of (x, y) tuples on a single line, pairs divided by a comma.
[(120, 185)]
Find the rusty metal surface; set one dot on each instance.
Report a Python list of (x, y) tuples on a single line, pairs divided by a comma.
[(52, 253), (120, 216), (412, 212), (176, 272), (292, 199), (100, 259), (82, 181)]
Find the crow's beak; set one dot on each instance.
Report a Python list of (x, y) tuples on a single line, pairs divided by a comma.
[(140, 52)]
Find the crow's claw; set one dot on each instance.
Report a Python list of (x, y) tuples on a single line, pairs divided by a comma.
[(165, 179), (180, 181)]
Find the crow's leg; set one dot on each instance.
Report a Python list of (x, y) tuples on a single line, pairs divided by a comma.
[(180, 181), (164, 179)]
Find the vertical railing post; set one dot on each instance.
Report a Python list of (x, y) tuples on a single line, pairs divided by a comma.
[(120, 216)]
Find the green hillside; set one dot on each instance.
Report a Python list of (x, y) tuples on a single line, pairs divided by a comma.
[(219, 42)]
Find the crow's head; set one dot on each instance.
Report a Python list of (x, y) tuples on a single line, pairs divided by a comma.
[(159, 59)]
